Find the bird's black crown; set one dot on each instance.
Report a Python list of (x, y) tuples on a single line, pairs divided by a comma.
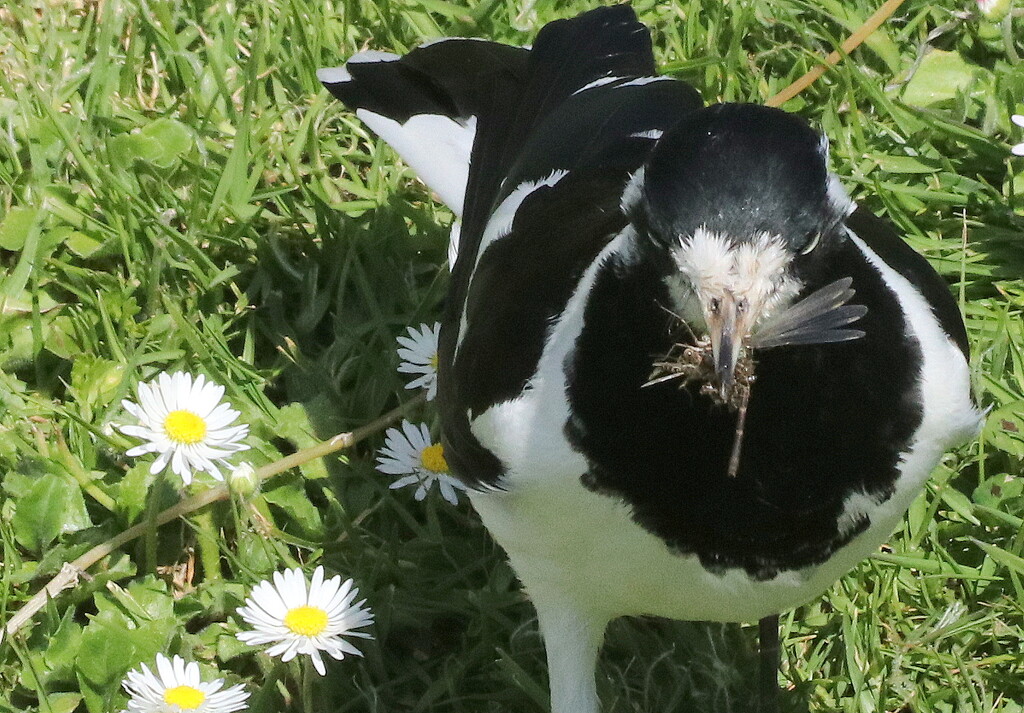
[(739, 170)]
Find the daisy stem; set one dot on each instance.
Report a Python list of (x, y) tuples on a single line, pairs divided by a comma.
[(209, 543), (199, 500), (150, 525), (1008, 43), (307, 685), (260, 700)]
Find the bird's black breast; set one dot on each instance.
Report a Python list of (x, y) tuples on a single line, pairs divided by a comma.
[(824, 421)]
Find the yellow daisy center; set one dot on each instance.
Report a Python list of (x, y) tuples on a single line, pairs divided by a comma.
[(432, 458), (433, 361), (185, 697), (306, 620), (184, 427)]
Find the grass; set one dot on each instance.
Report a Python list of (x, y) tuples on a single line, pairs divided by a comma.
[(177, 191)]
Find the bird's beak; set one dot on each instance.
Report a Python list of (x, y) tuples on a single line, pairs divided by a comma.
[(727, 327)]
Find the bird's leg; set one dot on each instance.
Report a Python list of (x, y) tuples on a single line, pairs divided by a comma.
[(768, 640), (572, 639)]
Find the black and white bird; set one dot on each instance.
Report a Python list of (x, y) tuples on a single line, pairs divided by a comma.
[(680, 371)]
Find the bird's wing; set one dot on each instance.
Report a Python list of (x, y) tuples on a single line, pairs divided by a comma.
[(557, 131), (879, 236), (549, 168), (426, 103)]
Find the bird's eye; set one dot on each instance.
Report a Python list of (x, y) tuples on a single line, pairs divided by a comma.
[(812, 243), (714, 305)]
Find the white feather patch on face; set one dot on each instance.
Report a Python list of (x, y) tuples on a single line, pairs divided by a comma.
[(711, 265)]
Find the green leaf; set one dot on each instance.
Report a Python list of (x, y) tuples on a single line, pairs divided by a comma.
[(905, 164), (130, 626), (995, 490), (96, 381), (257, 552), (173, 137), (958, 502), (146, 600), (1004, 428), (940, 76), (161, 144), (107, 653), (62, 702), (81, 244), (133, 489), (290, 496), (1007, 559), (53, 506), (62, 652), (228, 647), (16, 226)]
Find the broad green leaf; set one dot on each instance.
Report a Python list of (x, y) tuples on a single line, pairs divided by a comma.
[(293, 424), (16, 226), (1004, 428), (939, 77), (62, 653), (257, 552), (161, 143), (108, 652), (61, 702), (289, 494), (128, 148), (81, 244), (228, 647), (133, 489), (995, 490), (142, 601), (905, 164), (174, 138), (958, 502), (53, 506), (96, 381)]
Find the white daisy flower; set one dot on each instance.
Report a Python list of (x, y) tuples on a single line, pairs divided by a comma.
[(411, 453), (418, 352), (177, 687), (300, 621), (1018, 119), (186, 423)]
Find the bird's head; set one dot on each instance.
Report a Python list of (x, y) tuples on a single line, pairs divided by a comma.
[(740, 198)]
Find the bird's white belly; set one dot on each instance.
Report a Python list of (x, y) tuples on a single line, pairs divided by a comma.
[(569, 543)]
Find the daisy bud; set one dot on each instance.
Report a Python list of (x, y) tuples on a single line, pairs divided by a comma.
[(242, 480), (994, 10)]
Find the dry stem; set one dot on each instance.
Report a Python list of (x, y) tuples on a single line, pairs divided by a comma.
[(873, 23)]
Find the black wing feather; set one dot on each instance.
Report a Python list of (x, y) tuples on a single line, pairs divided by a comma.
[(450, 78)]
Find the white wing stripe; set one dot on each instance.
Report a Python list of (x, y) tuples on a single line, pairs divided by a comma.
[(499, 226)]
